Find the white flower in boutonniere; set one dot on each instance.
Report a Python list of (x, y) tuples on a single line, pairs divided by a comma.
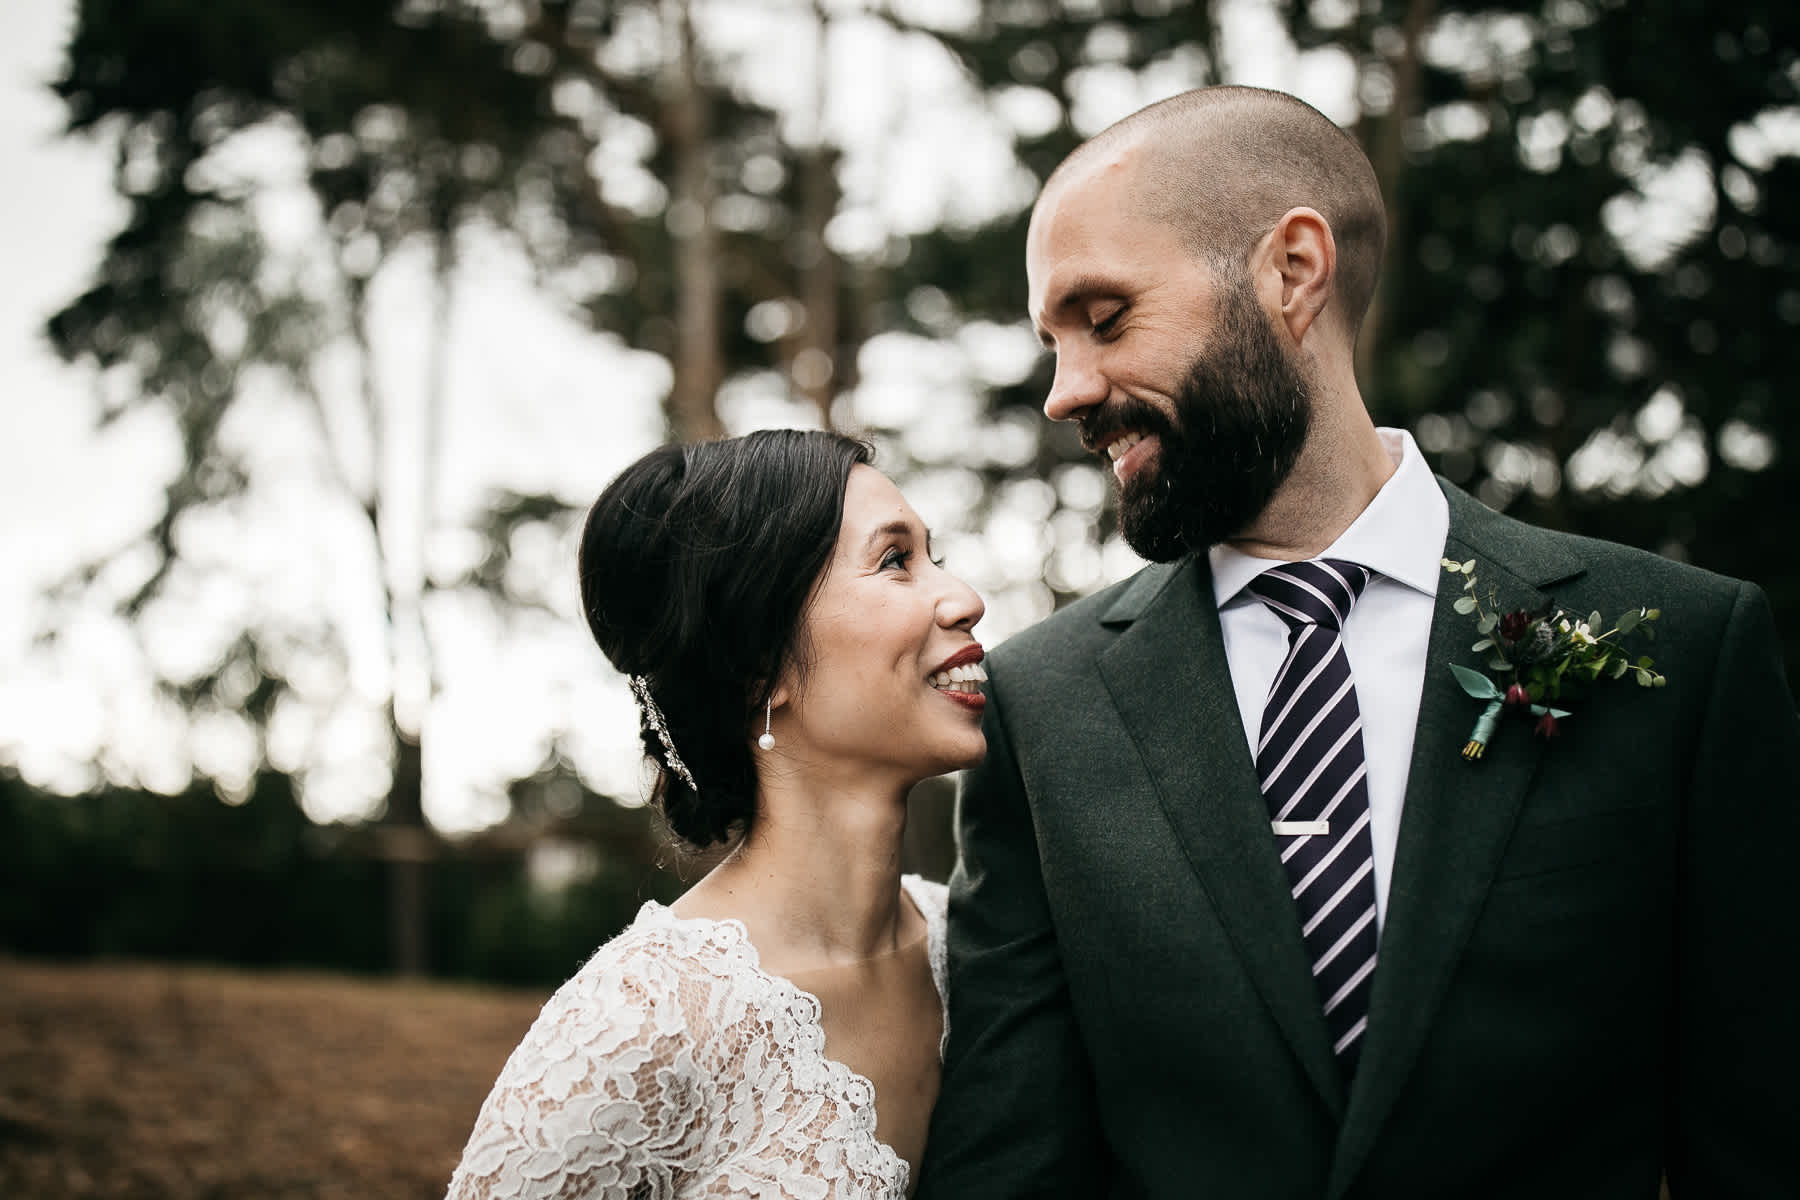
[(1541, 656)]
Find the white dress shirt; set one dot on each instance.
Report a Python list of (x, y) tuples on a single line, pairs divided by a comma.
[(1400, 535)]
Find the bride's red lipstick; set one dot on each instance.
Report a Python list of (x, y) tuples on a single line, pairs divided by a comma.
[(969, 655), (972, 653)]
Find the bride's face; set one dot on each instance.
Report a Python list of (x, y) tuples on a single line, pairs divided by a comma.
[(893, 678)]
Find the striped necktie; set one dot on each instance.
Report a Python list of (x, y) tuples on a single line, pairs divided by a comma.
[(1310, 761)]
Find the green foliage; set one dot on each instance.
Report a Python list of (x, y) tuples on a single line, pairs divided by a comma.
[(129, 874), (1553, 651)]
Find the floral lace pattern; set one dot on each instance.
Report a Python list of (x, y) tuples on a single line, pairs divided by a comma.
[(672, 1066)]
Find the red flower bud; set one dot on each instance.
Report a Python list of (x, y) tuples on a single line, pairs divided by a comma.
[(1513, 626), (1546, 726), (1517, 696)]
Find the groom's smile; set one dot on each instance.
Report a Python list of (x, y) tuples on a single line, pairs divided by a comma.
[(1129, 435)]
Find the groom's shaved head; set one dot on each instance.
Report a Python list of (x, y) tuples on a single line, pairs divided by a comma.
[(1224, 164)]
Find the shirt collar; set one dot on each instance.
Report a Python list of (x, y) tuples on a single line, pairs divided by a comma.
[(1400, 535)]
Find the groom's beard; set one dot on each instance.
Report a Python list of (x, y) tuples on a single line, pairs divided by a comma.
[(1241, 418)]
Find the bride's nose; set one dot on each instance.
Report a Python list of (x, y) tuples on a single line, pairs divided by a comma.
[(960, 606)]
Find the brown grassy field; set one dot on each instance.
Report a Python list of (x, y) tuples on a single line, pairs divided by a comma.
[(153, 1081)]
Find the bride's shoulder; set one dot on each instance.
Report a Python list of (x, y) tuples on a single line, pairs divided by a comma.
[(652, 961), (634, 1039), (932, 899)]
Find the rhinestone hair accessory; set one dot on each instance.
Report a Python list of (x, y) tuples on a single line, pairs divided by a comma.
[(640, 687)]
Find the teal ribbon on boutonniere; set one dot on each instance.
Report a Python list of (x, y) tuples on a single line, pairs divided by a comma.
[(1540, 656)]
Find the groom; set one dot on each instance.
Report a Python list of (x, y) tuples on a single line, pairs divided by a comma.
[(1241, 911)]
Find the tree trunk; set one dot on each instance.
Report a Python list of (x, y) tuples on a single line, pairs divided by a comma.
[(814, 364), (699, 357), (406, 844), (814, 367), (1385, 144), (409, 845)]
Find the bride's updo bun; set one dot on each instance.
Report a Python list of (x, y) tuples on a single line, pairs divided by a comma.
[(696, 566)]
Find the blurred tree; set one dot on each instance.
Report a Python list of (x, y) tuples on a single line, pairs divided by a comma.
[(1583, 315), (411, 125), (608, 141), (420, 121), (1591, 296), (1588, 308)]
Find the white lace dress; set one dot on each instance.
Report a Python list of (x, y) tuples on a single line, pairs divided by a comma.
[(673, 1066)]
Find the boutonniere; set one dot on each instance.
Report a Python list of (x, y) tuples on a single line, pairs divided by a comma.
[(1538, 657)]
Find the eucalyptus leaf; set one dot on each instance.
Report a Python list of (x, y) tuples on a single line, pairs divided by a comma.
[(1483, 644), (1594, 621), (1476, 684), (1468, 566), (1488, 623), (1618, 668), (1465, 604), (1644, 678), (1498, 662), (1629, 621)]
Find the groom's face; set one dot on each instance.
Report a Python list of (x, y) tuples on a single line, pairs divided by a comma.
[(1174, 373), (1242, 412)]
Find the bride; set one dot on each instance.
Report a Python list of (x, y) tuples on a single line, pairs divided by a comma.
[(799, 662)]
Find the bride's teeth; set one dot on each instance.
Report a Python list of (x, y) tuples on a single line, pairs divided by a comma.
[(968, 678)]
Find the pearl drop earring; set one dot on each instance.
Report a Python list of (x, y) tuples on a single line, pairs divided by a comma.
[(767, 740)]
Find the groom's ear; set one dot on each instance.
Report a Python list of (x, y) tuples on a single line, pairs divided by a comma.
[(1297, 263)]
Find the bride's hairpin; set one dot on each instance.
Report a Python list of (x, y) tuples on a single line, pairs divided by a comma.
[(640, 687)]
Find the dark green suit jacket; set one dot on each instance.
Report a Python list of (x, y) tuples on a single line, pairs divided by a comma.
[(1589, 971)]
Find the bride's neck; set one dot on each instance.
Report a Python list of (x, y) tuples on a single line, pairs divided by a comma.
[(817, 880)]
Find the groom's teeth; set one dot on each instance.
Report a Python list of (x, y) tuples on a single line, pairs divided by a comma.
[(1116, 450)]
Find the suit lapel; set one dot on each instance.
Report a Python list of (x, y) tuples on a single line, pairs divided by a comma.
[(1455, 824), (1189, 734)]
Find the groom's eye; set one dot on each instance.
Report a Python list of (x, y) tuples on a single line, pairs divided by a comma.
[(1107, 325)]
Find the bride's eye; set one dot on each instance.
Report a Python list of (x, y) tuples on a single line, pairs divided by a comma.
[(895, 557)]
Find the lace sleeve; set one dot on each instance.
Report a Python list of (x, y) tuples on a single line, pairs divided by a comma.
[(933, 900), (603, 1098)]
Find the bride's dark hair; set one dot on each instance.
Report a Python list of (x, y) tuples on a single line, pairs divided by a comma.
[(696, 566)]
